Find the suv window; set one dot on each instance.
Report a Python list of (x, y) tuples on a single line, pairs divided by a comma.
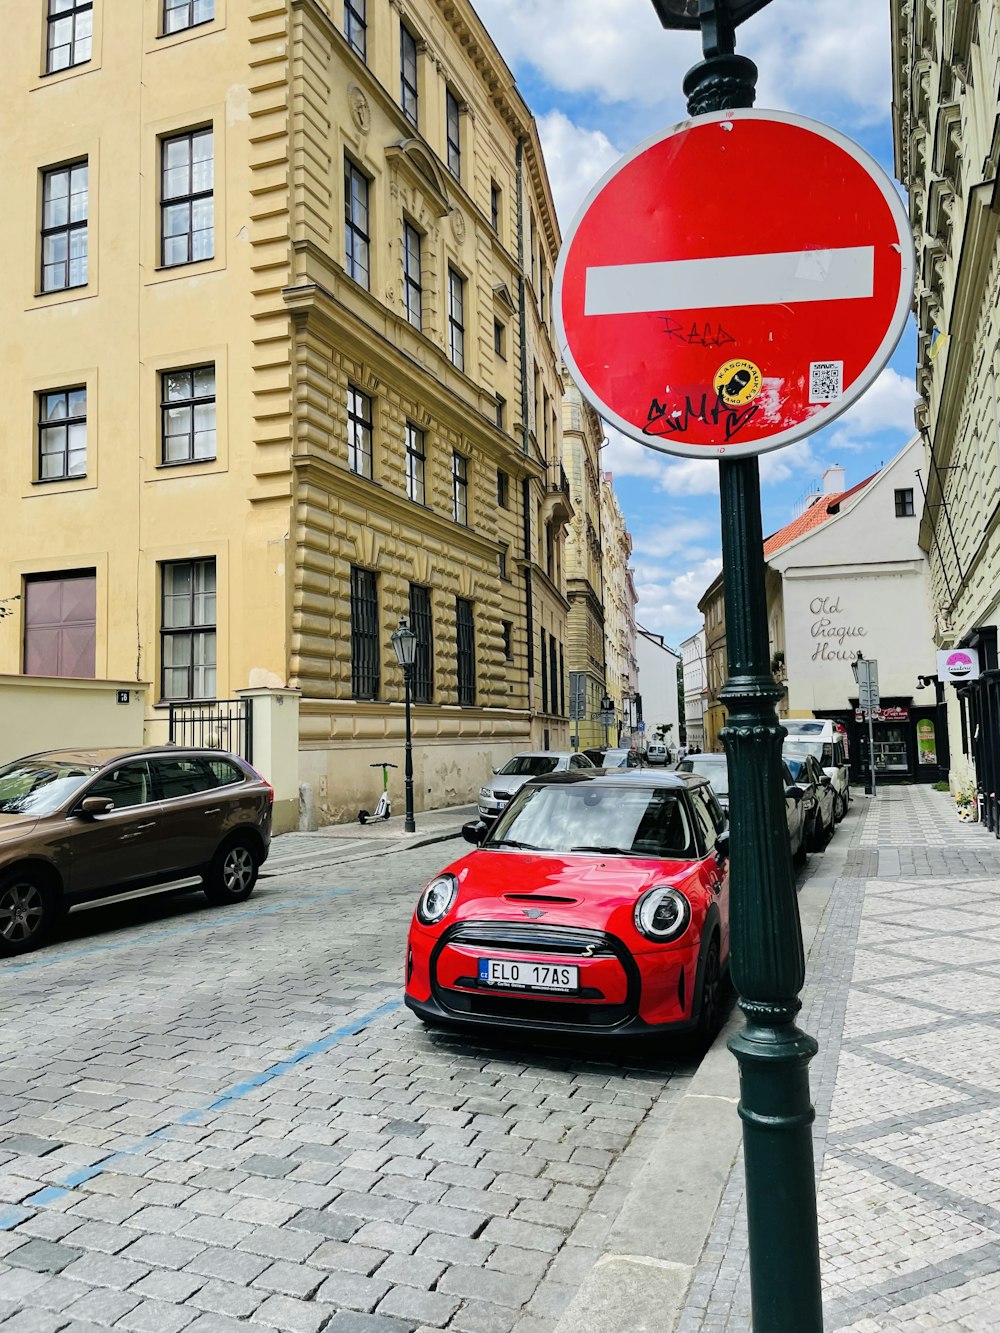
[(183, 777), (705, 818), (226, 772), (124, 786)]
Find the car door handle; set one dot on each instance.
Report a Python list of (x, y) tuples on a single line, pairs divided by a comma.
[(139, 828), (216, 811)]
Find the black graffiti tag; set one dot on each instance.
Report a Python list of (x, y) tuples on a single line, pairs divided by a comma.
[(663, 421), (698, 335)]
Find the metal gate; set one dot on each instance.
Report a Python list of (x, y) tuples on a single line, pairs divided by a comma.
[(216, 724)]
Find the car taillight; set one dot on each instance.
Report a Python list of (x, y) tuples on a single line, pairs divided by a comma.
[(261, 778)]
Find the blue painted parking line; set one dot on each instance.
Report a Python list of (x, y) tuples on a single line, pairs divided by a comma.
[(212, 921), (53, 1193)]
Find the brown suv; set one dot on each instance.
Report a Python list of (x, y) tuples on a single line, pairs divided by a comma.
[(77, 825)]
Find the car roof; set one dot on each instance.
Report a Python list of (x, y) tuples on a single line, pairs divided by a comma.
[(542, 754), (106, 754), (642, 777)]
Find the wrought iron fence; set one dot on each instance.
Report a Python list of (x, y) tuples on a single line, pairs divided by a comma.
[(214, 724)]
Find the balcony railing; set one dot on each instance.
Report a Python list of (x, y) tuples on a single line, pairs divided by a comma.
[(558, 482)]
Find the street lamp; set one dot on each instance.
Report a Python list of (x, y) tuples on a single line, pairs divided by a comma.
[(767, 958), (404, 645)]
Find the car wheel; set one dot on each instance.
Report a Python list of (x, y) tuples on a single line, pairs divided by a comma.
[(817, 833), (28, 910), (799, 859), (233, 872), (839, 806), (710, 999)]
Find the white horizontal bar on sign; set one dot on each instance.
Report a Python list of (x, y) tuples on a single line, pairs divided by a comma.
[(731, 280)]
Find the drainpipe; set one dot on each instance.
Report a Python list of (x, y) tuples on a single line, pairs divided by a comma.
[(529, 610)]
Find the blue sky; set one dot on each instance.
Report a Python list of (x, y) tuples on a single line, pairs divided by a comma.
[(601, 76)]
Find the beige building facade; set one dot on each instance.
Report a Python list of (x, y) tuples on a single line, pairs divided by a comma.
[(621, 666), (946, 122), (281, 370)]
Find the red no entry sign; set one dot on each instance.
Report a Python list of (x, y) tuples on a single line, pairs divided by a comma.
[(734, 284)]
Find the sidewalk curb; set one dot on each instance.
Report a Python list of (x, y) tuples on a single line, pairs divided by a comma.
[(641, 1282)]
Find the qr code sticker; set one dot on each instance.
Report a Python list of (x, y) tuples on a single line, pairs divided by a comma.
[(826, 381)]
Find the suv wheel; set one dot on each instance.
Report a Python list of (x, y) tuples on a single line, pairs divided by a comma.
[(233, 872), (28, 909), (839, 806)]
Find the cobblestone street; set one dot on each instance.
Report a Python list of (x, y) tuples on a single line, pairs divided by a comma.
[(214, 1117)]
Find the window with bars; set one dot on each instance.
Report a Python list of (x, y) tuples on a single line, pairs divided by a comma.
[(453, 134), (187, 415), (69, 34), (545, 675), (62, 434), (365, 666), (503, 489), (187, 629), (415, 464), (65, 213), (408, 73), (412, 275), (495, 200), (181, 14), (359, 432), (465, 633), (187, 198), (507, 638), (357, 237), (904, 504), (460, 487), (456, 318), (422, 681), (356, 26)]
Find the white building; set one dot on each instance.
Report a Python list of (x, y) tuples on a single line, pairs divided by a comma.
[(658, 684), (695, 688), (855, 579)]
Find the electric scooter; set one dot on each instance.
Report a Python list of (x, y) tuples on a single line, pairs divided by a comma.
[(384, 808)]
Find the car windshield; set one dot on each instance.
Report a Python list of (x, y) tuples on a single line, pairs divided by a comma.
[(528, 765), (715, 767), (39, 786), (615, 758), (796, 746), (623, 818), (795, 767)]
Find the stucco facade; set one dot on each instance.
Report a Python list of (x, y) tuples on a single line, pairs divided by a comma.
[(693, 657), (946, 121), (369, 284), (658, 685), (621, 668)]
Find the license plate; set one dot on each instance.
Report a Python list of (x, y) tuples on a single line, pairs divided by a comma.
[(528, 976)]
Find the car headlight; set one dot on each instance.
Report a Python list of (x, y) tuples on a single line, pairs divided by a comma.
[(485, 793), (662, 914), (436, 900)]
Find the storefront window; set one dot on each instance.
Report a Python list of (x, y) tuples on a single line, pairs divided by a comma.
[(891, 750)]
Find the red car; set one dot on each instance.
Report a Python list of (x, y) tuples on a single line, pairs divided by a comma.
[(599, 901)]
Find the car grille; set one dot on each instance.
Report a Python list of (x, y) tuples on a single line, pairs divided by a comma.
[(573, 941)]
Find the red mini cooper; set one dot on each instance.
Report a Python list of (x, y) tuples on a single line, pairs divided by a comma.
[(598, 902)]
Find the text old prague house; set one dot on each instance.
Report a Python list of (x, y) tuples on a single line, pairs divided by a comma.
[(279, 368)]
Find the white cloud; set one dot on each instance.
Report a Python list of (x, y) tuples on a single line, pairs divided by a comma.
[(576, 160), (669, 605), (888, 405)]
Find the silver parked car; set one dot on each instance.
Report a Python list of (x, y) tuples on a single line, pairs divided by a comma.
[(494, 795)]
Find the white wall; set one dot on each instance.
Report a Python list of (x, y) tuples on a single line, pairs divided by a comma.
[(658, 686)]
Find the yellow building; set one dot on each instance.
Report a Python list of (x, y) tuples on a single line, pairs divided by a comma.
[(621, 667), (713, 607), (583, 438), (279, 369)]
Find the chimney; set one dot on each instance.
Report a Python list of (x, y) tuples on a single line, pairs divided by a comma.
[(834, 480)]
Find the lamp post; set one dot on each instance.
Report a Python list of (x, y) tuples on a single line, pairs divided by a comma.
[(767, 958), (404, 645)]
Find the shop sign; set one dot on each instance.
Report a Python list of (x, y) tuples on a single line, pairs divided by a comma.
[(958, 665), (894, 713), (926, 742)]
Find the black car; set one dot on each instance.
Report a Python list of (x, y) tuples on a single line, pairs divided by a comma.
[(798, 813), (818, 799)]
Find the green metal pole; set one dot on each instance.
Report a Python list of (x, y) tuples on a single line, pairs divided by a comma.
[(767, 959)]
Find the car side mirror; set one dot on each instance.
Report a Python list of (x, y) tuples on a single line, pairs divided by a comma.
[(826, 780), (495, 771), (795, 793), (475, 832), (722, 845), (95, 805)]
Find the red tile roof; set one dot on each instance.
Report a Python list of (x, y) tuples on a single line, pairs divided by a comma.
[(825, 507)]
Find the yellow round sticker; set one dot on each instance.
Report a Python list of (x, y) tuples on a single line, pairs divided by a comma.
[(738, 382)]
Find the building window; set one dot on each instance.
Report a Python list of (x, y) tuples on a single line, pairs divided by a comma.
[(456, 318), (503, 489), (356, 235), (554, 669), (499, 339), (60, 624), (356, 26), (70, 34), (422, 682), (411, 274), (465, 633), (187, 415), (544, 674), (65, 209), (415, 461), (187, 203), (502, 562), (460, 487), (364, 634), (359, 432), (495, 200), (181, 14), (904, 504), (507, 638), (408, 73), (62, 434), (453, 134), (501, 408), (187, 630)]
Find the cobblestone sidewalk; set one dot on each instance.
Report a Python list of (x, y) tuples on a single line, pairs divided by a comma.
[(903, 994)]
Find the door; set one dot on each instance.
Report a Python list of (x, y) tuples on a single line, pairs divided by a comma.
[(191, 813), (120, 850), (714, 871)]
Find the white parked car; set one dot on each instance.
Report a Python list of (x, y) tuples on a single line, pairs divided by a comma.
[(826, 742), (494, 795), (657, 753)]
